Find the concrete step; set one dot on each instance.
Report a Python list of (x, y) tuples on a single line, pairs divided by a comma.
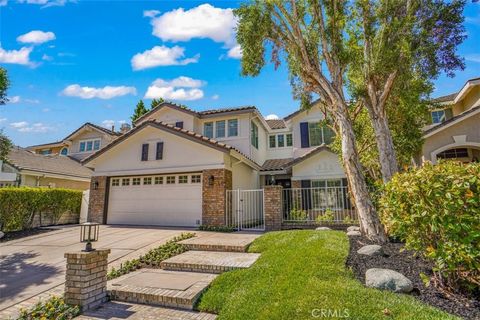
[(209, 261), (160, 287), (225, 242)]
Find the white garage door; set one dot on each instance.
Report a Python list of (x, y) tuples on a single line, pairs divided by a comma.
[(168, 200)]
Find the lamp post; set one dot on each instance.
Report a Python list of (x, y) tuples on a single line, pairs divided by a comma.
[(89, 233)]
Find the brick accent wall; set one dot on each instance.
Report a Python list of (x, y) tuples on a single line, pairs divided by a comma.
[(97, 201), (214, 196), (296, 184), (273, 207), (86, 278)]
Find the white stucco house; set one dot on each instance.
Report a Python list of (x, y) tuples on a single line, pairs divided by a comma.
[(176, 164)]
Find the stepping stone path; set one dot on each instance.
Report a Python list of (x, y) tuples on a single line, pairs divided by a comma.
[(181, 280), (386, 279), (371, 250)]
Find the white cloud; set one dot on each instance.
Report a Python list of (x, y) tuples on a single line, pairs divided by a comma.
[(235, 52), (14, 99), (46, 3), (45, 110), (108, 123), (272, 117), (215, 97), (107, 92), (21, 56), (150, 13), (204, 21), (24, 126), (181, 88), (474, 57), (47, 57), (36, 37), (161, 56), (3, 120), (3, 3)]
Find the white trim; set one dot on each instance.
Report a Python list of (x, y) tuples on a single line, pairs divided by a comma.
[(158, 171), (444, 126), (466, 88), (52, 175), (465, 144), (93, 145)]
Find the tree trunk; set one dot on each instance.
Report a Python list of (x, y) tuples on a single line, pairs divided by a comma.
[(369, 221), (383, 137)]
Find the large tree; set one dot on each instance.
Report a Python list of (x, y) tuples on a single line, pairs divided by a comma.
[(155, 102), (311, 35), (4, 83), (393, 42), (139, 111)]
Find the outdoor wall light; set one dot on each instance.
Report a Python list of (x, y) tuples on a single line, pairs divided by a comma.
[(88, 234), (95, 185), (211, 180)]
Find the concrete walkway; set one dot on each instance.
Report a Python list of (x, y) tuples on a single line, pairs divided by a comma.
[(34, 267)]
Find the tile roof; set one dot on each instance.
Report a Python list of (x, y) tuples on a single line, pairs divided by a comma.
[(448, 97), (172, 129), (276, 164), (320, 148), (276, 124), (23, 159), (225, 110)]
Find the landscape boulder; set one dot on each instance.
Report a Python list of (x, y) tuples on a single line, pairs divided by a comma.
[(371, 250), (1, 234), (386, 279), (323, 228), (353, 228), (353, 233)]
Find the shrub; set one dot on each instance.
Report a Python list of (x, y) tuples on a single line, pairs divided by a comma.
[(53, 308), (297, 214), (18, 206), (204, 227), (436, 210), (153, 257), (326, 217)]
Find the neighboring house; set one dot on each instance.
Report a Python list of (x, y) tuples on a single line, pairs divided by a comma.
[(81, 143), (25, 168), (174, 167), (455, 129)]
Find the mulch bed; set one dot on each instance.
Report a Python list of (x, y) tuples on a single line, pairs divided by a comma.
[(14, 235), (411, 266)]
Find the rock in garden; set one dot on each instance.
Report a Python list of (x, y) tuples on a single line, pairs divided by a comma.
[(353, 233), (353, 228), (371, 250), (323, 228), (386, 279), (1, 234)]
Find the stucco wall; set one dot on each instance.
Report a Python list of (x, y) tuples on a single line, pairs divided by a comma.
[(31, 181), (324, 165), (74, 148), (179, 154), (171, 116), (312, 115), (469, 127), (244, 177)]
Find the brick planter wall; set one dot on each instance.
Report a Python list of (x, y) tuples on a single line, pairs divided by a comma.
[(214, 196), (97, 201), (86, 278), (273, 207)]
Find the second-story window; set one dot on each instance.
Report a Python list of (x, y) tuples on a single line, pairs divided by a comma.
[(280, 140), (208, 129), (320, 133), (254, 135), (438, 116), (89, 145), (232, 127), (272, 142), (220, 129)]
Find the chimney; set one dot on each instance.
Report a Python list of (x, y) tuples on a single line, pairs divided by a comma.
[(125, 127), (113, 129)]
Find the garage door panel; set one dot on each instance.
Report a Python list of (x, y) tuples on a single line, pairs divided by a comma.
[(163, 205)]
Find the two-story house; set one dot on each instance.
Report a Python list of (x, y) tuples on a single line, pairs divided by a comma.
[(174, 167), (455, 129)]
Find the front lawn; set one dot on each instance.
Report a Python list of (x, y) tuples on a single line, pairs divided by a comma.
[(302, 275)]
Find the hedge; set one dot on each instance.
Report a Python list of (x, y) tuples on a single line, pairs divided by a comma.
[(436, 211), (19, 206)]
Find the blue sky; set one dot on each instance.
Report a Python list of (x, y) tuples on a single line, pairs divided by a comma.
[(73, 62)]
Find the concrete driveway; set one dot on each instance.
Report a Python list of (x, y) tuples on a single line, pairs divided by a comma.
[(33, 265)]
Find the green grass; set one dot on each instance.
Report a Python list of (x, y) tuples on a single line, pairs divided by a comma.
[(302, 271)]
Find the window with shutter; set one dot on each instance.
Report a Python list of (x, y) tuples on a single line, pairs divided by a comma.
[(159, 153), (145, 152), (304, 139), (179, 124)]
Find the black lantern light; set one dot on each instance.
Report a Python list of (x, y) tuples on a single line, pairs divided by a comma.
[(211, 180), (89, 233), (95, 185)]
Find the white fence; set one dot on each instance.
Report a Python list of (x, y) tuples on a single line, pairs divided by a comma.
[(319, 205), (245, 209)]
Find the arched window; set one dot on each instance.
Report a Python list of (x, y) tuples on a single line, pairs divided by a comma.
[(64, 151)]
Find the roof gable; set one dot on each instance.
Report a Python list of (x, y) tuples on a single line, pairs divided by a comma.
[(87, 125)]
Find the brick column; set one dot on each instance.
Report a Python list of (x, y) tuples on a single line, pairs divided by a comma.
[(273, 207), (96, 203), (214, 195), (86, 278)]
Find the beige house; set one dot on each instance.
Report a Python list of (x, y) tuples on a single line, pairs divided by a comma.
[(455, 129), (25, 168)]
